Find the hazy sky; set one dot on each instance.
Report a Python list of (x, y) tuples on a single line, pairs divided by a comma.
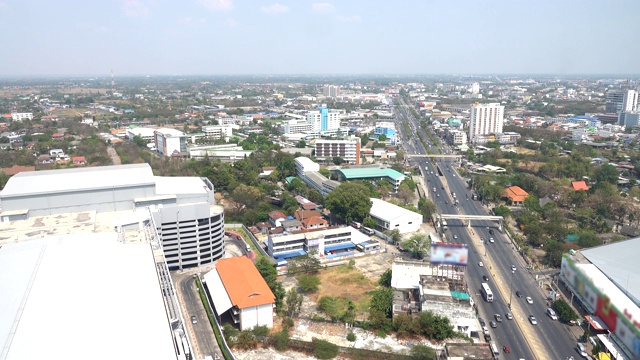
[(212, 37)]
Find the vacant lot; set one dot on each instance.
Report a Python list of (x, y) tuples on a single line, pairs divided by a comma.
[(345, 283)]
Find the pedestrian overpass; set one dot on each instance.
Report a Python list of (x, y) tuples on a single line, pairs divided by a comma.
[(433, 156), (470, 218)]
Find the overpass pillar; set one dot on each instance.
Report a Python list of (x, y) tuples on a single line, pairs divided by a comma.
[(500, 225), (469, 224)]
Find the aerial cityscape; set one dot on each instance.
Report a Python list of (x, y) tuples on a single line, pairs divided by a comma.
[(218, 179)]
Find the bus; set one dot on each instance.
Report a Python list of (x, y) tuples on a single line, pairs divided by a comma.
[(486, 292)]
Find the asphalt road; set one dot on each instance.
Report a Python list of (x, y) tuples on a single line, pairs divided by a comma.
[(202, 330), (548, 339)]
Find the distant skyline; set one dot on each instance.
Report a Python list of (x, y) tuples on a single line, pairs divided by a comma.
[(230, 37)]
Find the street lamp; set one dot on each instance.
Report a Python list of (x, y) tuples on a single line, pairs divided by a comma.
[(511, 289)]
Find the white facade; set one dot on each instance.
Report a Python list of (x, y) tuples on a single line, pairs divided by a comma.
[(475, 88), (304, 164), (261, 315), (170, 141), (457, 137), (485, 119), (391, 217), (622, 101), (296, 126), (147, 134), (331, 90), (218, 131), (629, 119), (21, 116), (314, 117)]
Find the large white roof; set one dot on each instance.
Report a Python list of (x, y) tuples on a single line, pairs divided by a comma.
[(388, 211), (81, 296), (64, 180), (179, 185), (619, 262)]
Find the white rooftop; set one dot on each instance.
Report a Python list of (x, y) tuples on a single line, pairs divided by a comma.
[(142, 131), (63, 298), (62, 180), (170, 132), (388, 211), (174, 185), (619, 262)]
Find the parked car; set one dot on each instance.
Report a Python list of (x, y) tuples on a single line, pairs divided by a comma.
[(482, 323)]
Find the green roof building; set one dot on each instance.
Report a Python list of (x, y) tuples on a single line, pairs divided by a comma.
[(392, 176)]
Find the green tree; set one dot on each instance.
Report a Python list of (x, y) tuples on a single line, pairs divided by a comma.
[(286, 165), (140, 142), (607, 173), (338, 160), (418, 244), (270, 275), (382, 137), (369, 222), (301, 144), (394, 235), (281, 340), (564, 310), (246, 197), (304, 264), (351, 336), (382, 301), (426, 207), (349, 202), (532, 203), (329, 305), (405, 193), (293, 302), (309, 283), (503, 211), (385, 278)]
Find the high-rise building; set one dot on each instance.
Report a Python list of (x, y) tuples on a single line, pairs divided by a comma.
[(621, 101), (348, 150), (629, 119), (475, 88), (170, 141), (485, 119), (324, 119), (331, 90)]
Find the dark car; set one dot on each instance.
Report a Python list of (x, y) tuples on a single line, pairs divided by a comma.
[(493, 324), (482, 323), (519, 294), (485, 278), (491, 231)]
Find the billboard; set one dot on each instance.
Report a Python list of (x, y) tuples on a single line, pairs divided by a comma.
[(449, 254)]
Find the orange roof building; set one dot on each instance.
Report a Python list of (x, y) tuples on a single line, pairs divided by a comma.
[(579, 185), (236, 285), (515, 194)]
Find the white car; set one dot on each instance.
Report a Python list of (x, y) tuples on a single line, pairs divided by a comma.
[(529, 300), (455, 236), (481, 264), (491, 240), (533, 320), (513, 268)]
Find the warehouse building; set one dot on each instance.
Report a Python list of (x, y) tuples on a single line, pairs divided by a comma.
[(390, 217)]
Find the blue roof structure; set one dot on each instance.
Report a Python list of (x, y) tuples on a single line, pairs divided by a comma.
[(289, 255), (339, 247), (332, 256)]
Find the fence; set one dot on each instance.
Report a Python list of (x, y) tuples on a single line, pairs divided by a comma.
[(226, 351)]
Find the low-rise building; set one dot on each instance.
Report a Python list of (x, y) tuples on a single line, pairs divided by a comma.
[(21, 116), (170, 142), (236, 285), (515, 195), (217, 131), (372, 173), (348, 150), (390, 217)]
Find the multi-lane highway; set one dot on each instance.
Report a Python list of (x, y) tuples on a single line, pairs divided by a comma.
[(549, 339)]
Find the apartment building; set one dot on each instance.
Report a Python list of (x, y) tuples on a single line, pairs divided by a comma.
[(485, 119), (456, 137), (321, 241), (297, 126), (331, 90), (348, 150), (21, 116), (621, 101)]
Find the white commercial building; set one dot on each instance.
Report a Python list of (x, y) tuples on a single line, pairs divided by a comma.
[(391, 217), (147, 134), (21, 116), (485, 119), (621, 101), (304, 164), (324, 119), (183, 209), (629, 119), (218, 131), (331, 90), (170, 142), (456, 137), (297, 126)]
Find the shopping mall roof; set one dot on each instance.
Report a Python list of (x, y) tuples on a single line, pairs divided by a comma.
[(619, 262), (77, 179), (65, 297), (370, 173)]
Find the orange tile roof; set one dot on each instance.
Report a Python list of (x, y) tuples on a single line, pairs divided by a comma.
[(515, 193), (579, 185), (314, 220), (306, 214), (243, 282)]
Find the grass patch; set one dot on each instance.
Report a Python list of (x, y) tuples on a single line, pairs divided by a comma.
[(345, 283)]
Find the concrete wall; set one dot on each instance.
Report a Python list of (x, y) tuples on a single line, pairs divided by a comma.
[(256, 316)]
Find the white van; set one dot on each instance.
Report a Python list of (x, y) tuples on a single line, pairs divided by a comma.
[(494, 350), (552, 314)]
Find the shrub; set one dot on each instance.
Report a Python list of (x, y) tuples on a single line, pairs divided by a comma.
[(324, 349), (287, 323), (246, 340), (281, 340), (260, 331), (309, 283), (351, 336)]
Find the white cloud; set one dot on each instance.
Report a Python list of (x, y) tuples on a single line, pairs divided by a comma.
[(192, 21), (135, 8), (274, 9), (349, 19), (224, 5), (323, 8), (230, 23)]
